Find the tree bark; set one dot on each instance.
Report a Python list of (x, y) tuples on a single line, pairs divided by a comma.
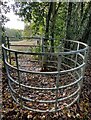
[(51, 17), (86, 12), (53, 21), (44, 58), (86, 37), (84, 16), (68, 36), (68, 21), (82, 9), (48, 20)]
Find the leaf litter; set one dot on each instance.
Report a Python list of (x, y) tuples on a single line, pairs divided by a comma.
[(78, 111)]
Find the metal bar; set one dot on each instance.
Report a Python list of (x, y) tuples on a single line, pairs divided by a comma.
[(57, 81), (47, 73), (18, 72), (24, 45), (9, 48), (44, 101), (45, 53), (44, 111), (54, 88), (76, 54), (83, 71), (73, 71)]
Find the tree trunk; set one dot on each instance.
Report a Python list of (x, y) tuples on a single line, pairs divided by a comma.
[(53, 26), (86, 37), (68, 36), (48, 20), (87, 11), (51, 16), (68, 21), (84, 17), (44, 58), (81, 9), (53, 21)]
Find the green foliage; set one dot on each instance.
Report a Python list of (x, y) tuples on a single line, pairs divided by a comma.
[(27, 30), (33, 13), (14, 33), (4, 9), (60, 27), (57, 20)]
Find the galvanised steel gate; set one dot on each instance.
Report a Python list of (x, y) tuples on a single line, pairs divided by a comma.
[(53, 87)]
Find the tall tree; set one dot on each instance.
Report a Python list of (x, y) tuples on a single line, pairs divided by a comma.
[(44, 14), (4, 9), (85, 23), (41, 14), (53, 22), (86, 37), (69, 20), (47, 16)]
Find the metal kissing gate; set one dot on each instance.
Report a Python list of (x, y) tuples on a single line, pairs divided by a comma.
[(47, 89)]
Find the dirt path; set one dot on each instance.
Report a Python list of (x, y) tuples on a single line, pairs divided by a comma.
[(24, 42)]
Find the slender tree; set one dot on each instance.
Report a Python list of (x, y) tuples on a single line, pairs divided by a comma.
[(86, 37), (69, 20), (85, 24)]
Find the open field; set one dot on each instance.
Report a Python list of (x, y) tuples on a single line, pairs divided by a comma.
[(24, 45), (24, 42)]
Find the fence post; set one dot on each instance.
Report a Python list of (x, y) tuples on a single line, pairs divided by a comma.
[(18, 73)]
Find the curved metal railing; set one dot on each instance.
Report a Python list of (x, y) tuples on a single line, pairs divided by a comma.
[(50, 89)]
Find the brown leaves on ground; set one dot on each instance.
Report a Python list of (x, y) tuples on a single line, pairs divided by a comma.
[(81, 111)]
